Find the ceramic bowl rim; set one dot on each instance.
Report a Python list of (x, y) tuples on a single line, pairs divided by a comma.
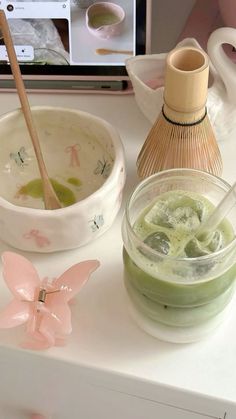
[(104, 188), (103, 3)]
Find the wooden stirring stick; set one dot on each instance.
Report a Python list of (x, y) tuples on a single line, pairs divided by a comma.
[(51, 200), (104, 51)]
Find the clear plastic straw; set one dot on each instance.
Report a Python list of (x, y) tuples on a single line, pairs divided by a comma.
[(219, 213)]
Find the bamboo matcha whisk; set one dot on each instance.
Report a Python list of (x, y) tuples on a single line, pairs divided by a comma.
[(182, 135)]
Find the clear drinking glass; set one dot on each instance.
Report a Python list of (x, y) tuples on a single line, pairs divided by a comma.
[(178, 298)]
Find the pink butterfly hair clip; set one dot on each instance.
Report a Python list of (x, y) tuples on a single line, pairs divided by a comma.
[(41, 305)]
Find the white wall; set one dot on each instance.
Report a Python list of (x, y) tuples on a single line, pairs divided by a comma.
[(168, 19)]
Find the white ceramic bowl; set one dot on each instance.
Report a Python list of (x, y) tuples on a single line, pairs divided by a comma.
[(85, 159), (105, 19)]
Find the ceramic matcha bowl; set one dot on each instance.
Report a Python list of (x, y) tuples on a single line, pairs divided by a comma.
[(85, 160)]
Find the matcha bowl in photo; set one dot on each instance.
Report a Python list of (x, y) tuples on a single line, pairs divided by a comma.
[(179, 288), (105, 19), (85, 160)]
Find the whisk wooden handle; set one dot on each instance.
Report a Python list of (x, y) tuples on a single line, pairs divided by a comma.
[(186, 79)]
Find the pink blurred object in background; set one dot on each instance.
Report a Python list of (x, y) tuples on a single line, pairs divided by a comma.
[(228, 12), (42, 305), (207, 16), (203, 19)]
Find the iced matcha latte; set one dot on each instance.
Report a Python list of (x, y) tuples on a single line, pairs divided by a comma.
[(179, 288)]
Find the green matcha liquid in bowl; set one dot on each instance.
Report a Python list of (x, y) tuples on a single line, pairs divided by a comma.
[(179, 288)]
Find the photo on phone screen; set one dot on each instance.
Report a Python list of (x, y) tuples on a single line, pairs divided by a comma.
[(66, 37)]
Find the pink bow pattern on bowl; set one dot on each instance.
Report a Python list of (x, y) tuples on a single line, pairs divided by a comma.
[(42, 305)]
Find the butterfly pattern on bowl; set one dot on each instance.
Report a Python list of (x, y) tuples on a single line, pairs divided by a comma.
[(42, 305), (103, 168), (97, 222), (20, 157)]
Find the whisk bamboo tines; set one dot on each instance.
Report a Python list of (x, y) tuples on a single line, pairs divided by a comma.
[(182, 135)]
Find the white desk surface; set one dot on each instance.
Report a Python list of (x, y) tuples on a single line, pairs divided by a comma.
[(104, 337)]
